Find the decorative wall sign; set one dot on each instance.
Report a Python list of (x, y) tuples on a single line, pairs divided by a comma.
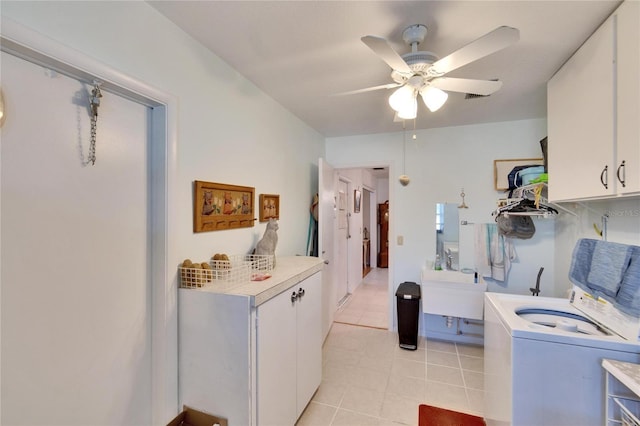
[(219, 206), (357, 198), (501, 169), (269, 207)]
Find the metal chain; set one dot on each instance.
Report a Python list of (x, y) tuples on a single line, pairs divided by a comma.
[(92, 144), (94, 103)]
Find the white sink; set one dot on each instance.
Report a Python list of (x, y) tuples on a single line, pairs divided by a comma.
[(446, 275), (453, 294)]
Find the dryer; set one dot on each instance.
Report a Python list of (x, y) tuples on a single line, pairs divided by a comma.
[(543, 356)]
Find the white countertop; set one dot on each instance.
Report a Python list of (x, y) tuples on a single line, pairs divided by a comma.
[(627, 373), (289, 271)]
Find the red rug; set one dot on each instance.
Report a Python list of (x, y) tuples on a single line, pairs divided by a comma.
[(435, 416)]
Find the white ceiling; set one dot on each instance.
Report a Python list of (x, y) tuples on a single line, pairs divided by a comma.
[(302, 52)]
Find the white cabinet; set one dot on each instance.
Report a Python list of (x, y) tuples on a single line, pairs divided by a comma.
[(593, 114), (253, 354), (628, 98), (289, 352)]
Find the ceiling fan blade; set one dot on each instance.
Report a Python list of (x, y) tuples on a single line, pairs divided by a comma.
[(489, 43), (465, 85), (369, 89), (383, 49)]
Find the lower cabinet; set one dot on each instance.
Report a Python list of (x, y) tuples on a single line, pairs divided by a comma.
[(255, 365), (289, 352)]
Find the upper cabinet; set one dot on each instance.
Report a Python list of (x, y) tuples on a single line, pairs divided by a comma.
[(628, 98), (594, 114)]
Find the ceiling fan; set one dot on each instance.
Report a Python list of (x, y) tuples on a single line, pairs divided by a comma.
[(423, 73)]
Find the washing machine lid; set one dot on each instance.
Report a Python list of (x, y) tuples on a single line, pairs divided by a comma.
[(606, 314)]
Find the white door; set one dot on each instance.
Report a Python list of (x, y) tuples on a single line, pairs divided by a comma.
[(309, 340), (342, 240), (326, 230), (76, 346), (277, 365)]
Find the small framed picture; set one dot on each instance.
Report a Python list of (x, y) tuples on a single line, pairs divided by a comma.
[(269, 207), (357, 199)]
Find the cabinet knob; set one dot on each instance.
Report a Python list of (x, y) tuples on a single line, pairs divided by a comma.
[(294, 297), (604, 177), (622, 167), (300, 292)]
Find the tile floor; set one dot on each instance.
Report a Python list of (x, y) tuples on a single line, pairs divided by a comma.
[(369, 380), (369, 304)]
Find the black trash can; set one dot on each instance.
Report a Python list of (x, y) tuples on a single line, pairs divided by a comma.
[(408, 296)]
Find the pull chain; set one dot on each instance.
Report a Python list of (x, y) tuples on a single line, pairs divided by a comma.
[(94, 103)]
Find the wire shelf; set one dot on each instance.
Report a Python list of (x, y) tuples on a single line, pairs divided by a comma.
[(225, 273)]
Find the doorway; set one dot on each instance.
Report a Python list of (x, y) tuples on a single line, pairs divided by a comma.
[(368, 303)]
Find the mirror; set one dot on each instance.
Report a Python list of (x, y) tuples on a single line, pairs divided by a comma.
[(447, 236)]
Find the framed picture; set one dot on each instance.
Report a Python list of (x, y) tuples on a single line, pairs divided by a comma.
[(357, 199), (502, 168), (220, 206), (269, 207)]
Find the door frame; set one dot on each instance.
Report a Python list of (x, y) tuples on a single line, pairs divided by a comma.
[(373, 224), (347, 242), (391, 269), (32, 46)]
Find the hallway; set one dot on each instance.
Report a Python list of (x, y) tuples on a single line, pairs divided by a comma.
[(368, 305)]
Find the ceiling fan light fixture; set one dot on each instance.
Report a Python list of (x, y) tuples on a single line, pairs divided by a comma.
[(402, 98), (433, 98), (409, 111)]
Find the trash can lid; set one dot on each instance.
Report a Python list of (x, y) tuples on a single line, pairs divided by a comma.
[(408, 290)]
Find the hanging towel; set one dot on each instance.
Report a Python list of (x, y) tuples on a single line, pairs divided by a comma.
[(482, 259), (502, 253), (494, 253), (609, 263), (628, 299), (599, 266), (581, 262)]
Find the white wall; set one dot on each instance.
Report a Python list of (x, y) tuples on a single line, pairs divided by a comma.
[(228, 130)]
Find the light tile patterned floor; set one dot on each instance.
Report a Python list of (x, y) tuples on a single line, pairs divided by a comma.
[(369, 380), (369, 303)]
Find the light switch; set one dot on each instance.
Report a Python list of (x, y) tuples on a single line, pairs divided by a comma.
[(400, 240)]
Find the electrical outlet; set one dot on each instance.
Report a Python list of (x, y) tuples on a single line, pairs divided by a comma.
[(400, 240)]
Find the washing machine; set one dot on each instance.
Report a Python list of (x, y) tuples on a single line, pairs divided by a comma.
[(543, 356)]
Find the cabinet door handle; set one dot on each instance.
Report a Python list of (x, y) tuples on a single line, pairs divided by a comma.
[(300, 293), (624, 173), (604, 177), (294, 297)]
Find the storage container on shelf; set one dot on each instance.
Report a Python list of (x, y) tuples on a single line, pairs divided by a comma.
[(226, 273)]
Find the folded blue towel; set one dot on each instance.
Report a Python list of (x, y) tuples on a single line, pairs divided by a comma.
[(608, 264), (628, 299)]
